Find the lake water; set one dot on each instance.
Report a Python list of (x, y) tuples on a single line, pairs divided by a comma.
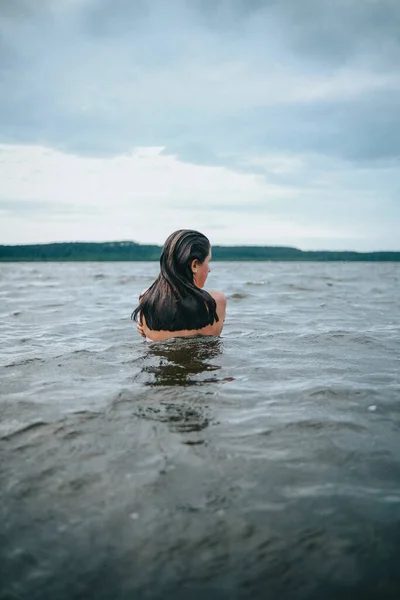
[(262, 464)]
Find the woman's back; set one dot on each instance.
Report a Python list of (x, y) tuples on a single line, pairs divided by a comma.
[(209, 330)]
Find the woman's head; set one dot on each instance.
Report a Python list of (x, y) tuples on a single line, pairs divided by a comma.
[(186, 254)]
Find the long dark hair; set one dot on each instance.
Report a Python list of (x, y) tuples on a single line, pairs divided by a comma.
[(174, 301)]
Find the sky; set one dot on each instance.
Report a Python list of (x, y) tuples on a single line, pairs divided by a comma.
[(257, 122)]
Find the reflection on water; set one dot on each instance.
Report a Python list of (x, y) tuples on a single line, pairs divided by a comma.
[(181, 362), (184, 418)]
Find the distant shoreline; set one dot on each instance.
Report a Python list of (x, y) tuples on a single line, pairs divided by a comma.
[(133, 252)]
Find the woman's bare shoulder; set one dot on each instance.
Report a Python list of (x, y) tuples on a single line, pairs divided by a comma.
[(218, 296), (220, 300)]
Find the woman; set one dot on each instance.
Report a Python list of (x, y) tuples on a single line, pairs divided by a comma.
[(175, 305)]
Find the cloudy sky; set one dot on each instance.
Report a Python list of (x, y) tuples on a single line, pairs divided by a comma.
[(273, 122)]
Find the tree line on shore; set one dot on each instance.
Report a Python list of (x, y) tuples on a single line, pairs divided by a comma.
[(131, 251)]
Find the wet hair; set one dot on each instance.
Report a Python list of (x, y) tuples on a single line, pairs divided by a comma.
[(174, 302)]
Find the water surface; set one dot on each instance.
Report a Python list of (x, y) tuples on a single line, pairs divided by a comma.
[(266, 462)]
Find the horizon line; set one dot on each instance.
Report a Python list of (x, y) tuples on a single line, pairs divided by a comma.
[(213, 246)]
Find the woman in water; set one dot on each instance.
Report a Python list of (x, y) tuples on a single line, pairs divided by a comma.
[(176, 305)]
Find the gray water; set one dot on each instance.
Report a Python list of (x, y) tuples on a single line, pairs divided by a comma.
[(264, 463)]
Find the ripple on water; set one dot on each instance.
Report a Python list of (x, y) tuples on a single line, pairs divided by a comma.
[(26, 361), (12, 427)]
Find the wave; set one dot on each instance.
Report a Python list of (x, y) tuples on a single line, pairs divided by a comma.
[(254, 282), (11, 428), (238, 296)]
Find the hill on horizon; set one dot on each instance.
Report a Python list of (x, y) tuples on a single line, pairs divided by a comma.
[(133, 251)]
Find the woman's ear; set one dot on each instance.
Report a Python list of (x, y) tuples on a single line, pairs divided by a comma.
[(194, 265)]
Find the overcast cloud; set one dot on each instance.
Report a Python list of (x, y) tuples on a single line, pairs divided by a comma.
[(256, 121)]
